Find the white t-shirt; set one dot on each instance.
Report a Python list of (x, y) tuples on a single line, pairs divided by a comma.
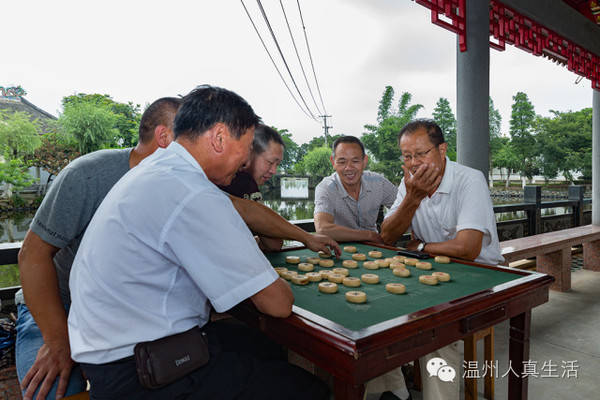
[(462, 201), (163, 244)]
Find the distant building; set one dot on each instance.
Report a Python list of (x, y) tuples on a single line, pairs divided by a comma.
[(12, 100)]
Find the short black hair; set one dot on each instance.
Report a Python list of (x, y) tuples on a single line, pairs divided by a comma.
[(160, 112), (347, 139), (207, 105), (436, 136), (263, 135)]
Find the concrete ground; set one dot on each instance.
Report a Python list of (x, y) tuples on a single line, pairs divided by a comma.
[(564, 331)]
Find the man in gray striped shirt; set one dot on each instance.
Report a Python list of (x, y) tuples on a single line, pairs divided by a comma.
[(347, 202), (346, 208)]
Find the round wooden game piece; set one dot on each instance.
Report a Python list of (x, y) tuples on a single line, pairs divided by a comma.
[(383, 263), (396, 264), (355, 296), (306, 267), (370, 278), (375, 254), (442, 276), (314, 276), (335, 278), (370, 265), (313, 260), (300, 279), (323, 254), (428, 280), (341, 271), (350, 264), (399, 258), (396, 288), (280, 270), (287, 275), (411, 261), (359, 257), (292, 259), (350, 249), (423, 265), (324, 273), (326, 263), (442, 259), (328, 287), (390, 259), (351, 281), (402, 272)]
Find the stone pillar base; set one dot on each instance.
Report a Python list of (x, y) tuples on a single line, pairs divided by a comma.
[(558, 265), (591, 255)]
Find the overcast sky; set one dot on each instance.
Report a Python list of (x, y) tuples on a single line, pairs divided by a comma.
[(142, 50)]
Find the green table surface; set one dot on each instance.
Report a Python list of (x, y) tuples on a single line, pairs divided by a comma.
[(382, 305)]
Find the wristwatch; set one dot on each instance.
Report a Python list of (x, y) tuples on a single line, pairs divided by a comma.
[(421, 246)]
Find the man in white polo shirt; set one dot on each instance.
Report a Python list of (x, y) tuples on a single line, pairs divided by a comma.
[(163, 246), (449, 211)]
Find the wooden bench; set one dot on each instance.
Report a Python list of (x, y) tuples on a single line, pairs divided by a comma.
[(552, 251)]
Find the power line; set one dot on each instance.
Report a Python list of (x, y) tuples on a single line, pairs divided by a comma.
[(262, 10), (298, 56), (274, 64), (311, 59)]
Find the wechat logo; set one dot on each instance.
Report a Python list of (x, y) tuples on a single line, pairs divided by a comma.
[(440, 368)]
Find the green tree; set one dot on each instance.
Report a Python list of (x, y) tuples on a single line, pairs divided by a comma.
[(19, 137), (495, 123), (565, 143), (506, 158), (54, 153), (444, 117), (521, 125), (291, 150), (127, 120), (381, 140), (317, 162), (91, 125), (317, 141)]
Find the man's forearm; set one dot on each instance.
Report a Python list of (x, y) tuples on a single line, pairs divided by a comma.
[(266, 222), (394, 226), (40, 288), (344, 234)]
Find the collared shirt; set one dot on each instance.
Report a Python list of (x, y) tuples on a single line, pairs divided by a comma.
[(462, 201), (156, 253), (332, 198)]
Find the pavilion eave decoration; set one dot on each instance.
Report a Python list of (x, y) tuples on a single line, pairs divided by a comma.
[(508, 26)]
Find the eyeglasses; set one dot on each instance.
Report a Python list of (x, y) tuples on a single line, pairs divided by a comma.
[(417, 156)]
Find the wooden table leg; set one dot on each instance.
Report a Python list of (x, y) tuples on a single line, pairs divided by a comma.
[(470, 355), (345, 391), (518, 351), (488, 355)]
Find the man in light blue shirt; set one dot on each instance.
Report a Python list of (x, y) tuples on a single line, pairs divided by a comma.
[(163, 246)]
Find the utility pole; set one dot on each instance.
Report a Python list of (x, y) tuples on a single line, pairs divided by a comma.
[(326, 128)]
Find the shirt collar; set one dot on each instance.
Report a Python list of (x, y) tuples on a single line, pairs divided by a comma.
[(448, 178), (364, 186), (183, 153)]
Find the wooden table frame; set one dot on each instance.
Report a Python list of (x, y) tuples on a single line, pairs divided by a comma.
[(354, 357)]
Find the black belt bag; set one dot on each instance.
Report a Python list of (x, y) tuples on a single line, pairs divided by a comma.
[(163, 361)]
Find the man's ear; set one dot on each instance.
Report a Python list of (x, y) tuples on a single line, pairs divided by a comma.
[(217, 136), (163, 136), (331, 159), (443, 149), (365, 161)]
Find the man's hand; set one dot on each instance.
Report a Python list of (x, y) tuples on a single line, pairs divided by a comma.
[(317, 242), (412, 244), (375, 237), (51, 361), (423, 182)]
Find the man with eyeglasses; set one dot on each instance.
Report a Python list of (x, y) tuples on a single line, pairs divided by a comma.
[(347, 202), (448, 208)]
